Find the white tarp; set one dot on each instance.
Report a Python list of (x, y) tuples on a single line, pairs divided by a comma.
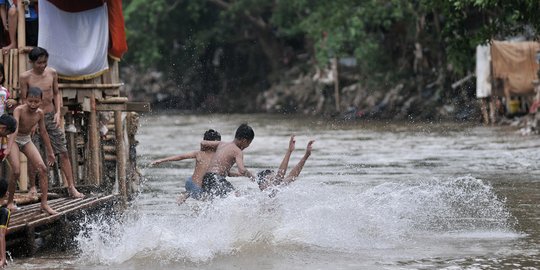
[(483, 71), (77, 42)]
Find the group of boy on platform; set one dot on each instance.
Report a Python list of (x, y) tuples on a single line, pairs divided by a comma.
[(39, 107)]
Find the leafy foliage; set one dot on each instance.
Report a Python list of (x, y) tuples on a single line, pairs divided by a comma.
[(392, 37)]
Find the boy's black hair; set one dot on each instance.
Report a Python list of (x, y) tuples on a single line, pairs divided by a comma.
[(2, 73), (9, 122), (36, 53), (244, 132), (3, 187), (212, 135), (262, 174), (34, 92)]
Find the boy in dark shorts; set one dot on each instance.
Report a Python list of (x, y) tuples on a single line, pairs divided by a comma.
[(227, 154), (46, 79), (5, 214)]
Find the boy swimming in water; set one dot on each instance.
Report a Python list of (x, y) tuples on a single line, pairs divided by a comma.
[(202, 158), (214, 181), (268, 178)]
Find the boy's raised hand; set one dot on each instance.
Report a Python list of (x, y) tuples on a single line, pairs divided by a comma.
[(292, 143), (309, 147)]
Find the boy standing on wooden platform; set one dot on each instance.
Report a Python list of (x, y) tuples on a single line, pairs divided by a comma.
[(46, 79), (27, 116)]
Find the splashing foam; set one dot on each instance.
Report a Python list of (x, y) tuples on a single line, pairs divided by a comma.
[(310, 215)]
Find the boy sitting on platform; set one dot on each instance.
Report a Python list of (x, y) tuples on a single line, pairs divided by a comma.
[(5, 214), (27, 116)]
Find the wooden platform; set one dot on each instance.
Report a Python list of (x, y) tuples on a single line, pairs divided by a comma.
[(29, 222)]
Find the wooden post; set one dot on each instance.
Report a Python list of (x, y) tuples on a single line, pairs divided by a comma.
[(93, 138), (23, 177), (30, 237), (335, 74), (21, 26), (484, 109), (73, 157), (120, 155)]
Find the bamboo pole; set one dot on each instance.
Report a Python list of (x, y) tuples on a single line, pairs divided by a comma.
[(336, 82), (23, 178), (73, 157), (94, 174), (120, 155), (21, 26), (90, 86), (15, 69), (9, 75), (30, 241)]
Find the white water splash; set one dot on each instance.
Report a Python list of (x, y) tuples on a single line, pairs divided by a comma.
[(311, 215)]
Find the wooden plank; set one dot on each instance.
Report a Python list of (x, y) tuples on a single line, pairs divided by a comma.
[(111, 92), (114, 100), (90, 86), (21, 27), (94, 174), (15, 72), (124, 107), (120, 155), (115, 72), (33, 217)]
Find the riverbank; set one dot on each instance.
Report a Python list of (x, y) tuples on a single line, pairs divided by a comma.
[(300, 91)]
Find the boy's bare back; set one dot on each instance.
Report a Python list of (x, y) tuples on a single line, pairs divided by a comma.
[(224, 158), (203, 160), (46, 82), (27, 118)]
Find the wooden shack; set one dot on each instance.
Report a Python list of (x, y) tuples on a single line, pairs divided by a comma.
[(505, 76), (104, 165)]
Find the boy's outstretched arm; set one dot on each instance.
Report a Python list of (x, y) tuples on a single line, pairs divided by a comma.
[(298, 168), (241, 169), (175, 158), (285, 162)]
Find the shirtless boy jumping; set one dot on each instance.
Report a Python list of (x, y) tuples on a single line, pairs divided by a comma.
[(46, 79), (202, 158), (227, 153), (27, 116)]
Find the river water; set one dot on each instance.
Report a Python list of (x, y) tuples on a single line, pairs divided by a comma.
[(372, 196)]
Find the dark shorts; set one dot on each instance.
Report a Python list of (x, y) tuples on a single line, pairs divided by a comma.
[(216, 185), (56, 135), (5, 214)]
